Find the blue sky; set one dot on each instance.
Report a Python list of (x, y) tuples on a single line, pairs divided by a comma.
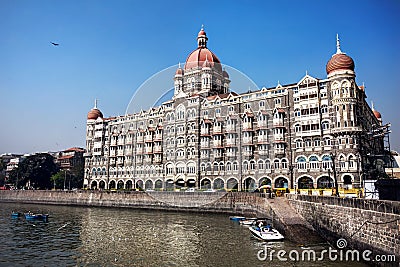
[(109, 48)]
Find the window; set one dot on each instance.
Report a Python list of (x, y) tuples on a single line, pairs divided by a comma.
[(284, 163), (325, 125), (307, 142), (314, 162), (297, 128), (218, 112), (261, 165), (301, 163), (278, 101), (262, 104), (276, 164), (324, 109), (317, 142), (297, 112), (247, 106), (299, 143)]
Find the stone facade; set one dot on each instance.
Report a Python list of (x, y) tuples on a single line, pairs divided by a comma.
[(209, 137)]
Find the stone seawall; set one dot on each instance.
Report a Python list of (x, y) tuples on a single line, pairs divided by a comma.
[(365, 224), (246, 204)]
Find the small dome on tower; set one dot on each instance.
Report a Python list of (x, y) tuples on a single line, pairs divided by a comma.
[(179, 70), (225, 74), (94, 113), (339, 61), (377, 114)]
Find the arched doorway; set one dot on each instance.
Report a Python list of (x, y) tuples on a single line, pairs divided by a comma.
[(158, 185), (148, 184), (249, 184), (128, 185), (264, 181), (205, 184), (232, 184), (281, 182), (347, 183), (218, 184), (305, 182), (93, 185), (139, 184), (191, 183), (169, 185), (120, 185), (111, 185), (180, 183), (325, 182), (102, 185)]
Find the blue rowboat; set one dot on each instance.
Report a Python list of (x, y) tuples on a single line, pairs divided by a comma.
[(36, 216), (236, 218), (15, 214)]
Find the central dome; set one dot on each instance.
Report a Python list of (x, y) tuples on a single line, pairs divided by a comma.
[(339, 61), (197, 58)]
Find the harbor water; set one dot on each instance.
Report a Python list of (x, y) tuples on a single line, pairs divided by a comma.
[(88, 236)]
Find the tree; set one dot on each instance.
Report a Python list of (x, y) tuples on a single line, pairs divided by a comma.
[(35, 171), (57, 179)]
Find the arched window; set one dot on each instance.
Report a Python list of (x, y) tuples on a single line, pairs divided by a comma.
[(314, 164), (301, 163), (284, 163), (276, 164)]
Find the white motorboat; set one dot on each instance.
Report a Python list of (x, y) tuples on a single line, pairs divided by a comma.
[(266, 233)]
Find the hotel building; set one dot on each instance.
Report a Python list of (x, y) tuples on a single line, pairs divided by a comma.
[(299, 135)]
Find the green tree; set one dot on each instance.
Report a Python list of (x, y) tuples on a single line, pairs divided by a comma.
[(35, 170), (57, 180)]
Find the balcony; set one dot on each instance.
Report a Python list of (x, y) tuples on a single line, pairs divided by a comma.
[(279, 137), (217, 130), (158, 137), (278, 123), (148, 139), (217, 143), (140, 139), (205, 132), (262, 125), (247, 126), (262, 140), (157, 149), (121, 142), (247, 140), (230, 129), (230, 142), (204, 145)]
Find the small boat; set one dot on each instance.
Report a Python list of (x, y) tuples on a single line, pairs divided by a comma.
[(36, 216), (247, 221), (236, 218), (15, 214), (266, 233)]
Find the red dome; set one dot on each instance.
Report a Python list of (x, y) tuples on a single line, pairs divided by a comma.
[(201, 33), (340, 61), (377, 114), (225, 74), (94, 114), (179, 71), (198, 56)]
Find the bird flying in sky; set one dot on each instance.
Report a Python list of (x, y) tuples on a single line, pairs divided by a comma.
[(55, 44)]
